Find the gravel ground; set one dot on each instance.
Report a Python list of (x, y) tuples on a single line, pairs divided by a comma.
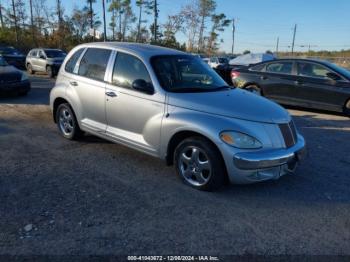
[(95, 197)]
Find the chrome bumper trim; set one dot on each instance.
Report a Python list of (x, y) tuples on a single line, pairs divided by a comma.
[(271, 158)]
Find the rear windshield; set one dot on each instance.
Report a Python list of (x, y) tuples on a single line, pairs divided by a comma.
[(55, 53)]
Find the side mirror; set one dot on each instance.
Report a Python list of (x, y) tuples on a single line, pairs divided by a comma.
[(333, 76), (142, 86), (42, 57)]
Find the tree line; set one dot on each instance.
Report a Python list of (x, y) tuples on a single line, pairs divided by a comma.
[(32, 24)]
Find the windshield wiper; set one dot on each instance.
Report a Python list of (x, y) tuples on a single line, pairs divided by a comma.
[(199, 89)]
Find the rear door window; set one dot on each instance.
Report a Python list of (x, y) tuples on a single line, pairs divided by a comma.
[(70, 65), (280, 68), (94, 63), (127, 69)]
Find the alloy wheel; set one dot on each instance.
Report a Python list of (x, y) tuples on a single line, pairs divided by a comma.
[(66, 123), (195, 166)]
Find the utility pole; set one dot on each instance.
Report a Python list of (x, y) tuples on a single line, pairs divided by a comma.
[(295, 31), (32, 20), (233, 35), (1, 18), (277, 44), (104, 21), (155, 29), (92, 19), (15, 19)]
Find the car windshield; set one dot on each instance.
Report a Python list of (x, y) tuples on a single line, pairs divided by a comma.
[(340, 69), (2, 62), (55, 53), (185, 73), (9, 51), (223, 61)]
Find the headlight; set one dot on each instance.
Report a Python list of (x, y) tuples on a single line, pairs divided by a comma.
[(240, 140), (24, 77)]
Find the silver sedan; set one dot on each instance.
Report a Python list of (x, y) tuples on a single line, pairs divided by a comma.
[(173, 106)]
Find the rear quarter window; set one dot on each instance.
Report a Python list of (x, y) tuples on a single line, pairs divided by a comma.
[(94, 63), (257, 68), (70, 65)]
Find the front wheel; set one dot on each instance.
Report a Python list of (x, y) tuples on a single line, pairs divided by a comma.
[(199, 164), (30, 69), (67, 122), (347, 109), (254, 89)]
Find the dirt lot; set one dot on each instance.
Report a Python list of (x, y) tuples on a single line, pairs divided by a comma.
[(95, 197)]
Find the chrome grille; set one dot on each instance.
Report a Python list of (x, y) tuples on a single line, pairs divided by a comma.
[(289, 134)]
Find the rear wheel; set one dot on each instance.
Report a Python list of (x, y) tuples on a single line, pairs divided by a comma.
[(50, 72), (67, 122), (199, 164), (254, 89), (347, 108)]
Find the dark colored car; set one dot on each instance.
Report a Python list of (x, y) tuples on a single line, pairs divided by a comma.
[(12, 80), (13, 56), (299, 82)]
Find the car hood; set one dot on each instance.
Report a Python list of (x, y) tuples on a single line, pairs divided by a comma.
[(13, 56), (9, 73), (233, 103)]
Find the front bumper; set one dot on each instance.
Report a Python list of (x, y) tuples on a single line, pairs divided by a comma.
[(250, 167), (271, 158)]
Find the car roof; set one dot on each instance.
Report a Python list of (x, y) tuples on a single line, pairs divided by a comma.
[(297, 59), (141, 50)]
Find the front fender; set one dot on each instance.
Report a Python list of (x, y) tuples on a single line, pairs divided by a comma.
[(209, 126)]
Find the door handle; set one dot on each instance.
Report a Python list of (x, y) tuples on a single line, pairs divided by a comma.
[(73, 83), (111, 94), (263, 77), (298, 82)]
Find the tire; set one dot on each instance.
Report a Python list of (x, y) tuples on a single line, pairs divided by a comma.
[(347, 108), (50, 71), (67, 123), (199, 163), (30, 69), (254, 89)]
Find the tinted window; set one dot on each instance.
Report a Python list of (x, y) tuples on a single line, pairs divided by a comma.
[(127, 69), (33, 53), (54, 53), (94, 63), (41, 54), (223, 60), (70, 65), (312, 70), (257, 67), (280, 67)]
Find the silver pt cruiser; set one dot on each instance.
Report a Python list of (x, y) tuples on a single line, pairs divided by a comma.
[(171, 105)]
